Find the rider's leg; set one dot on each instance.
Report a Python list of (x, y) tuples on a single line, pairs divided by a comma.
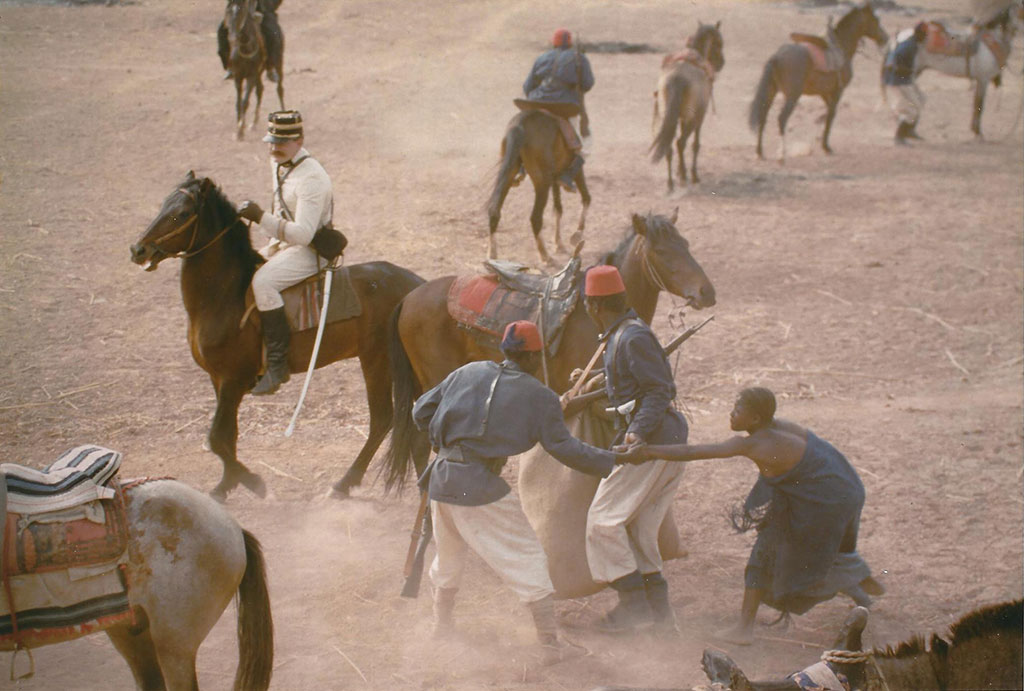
[(273, 40), (567, 177), (224, 48)]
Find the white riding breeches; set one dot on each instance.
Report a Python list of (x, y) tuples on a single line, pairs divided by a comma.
[(906, 101), (501, 535), (285, 268), (625, 517)]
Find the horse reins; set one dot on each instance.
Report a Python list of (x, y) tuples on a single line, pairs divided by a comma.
[(257, 42), (187, 252)]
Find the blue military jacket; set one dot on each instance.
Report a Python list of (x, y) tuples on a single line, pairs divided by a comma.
[(899, 63), (484, 412), (555, 75), (636, 369)]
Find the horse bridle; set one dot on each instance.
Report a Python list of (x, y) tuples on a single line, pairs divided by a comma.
[(197, 202)]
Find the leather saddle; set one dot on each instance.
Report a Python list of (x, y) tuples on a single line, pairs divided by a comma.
[(486, 303)]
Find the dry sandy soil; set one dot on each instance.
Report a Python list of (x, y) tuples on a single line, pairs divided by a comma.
[(877, 291)]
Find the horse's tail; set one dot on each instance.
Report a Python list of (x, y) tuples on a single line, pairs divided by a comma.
[(673, 93), (255, 625), (405, 389), (763, 96), (511, 148)]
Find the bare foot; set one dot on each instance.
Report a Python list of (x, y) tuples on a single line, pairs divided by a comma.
[(736, 635)]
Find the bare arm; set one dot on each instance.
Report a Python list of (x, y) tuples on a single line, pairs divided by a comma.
[(736, 446)]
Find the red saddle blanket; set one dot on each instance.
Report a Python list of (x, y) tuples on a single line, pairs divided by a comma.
[(816, 47), (939, 40), (61, 573), (485, 304), (691, 56)]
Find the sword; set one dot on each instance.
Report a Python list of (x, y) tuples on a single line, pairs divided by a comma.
[(316, 350)]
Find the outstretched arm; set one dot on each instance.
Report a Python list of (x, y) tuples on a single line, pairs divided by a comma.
[(736, 446)]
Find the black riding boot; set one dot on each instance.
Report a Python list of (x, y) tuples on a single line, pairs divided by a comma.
[(567, 179), (656, 589), (632, 610), (902, 132), (276, 335), (224, 49)]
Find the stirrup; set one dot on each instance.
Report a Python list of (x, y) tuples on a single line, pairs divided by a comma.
[(567, 184)]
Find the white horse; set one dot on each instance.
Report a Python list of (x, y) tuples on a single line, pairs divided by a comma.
[(187, 558), (991, 47)]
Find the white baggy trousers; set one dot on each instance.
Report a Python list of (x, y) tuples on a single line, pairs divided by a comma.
[(625, 516), (500, 534)]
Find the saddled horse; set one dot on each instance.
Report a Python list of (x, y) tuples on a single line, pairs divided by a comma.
[(683, 95), (248, 60), (427, 343), (533, 140), (981, 651), (187, 559), (198, 224), (791, 70), (979, 56)]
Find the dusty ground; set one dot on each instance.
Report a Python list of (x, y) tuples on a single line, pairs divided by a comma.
[(878, 291)]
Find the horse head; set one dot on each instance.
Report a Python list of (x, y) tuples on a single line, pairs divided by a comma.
[(708, 42), (870, 26), (237, 15), (667, 261), (182, 228)]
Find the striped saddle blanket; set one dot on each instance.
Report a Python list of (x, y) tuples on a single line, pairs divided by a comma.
[(304, 301), (65, 536)]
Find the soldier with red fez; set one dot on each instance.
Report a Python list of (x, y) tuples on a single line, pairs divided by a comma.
[(558, 79), (302, 204), (481, 414), (632, 502)]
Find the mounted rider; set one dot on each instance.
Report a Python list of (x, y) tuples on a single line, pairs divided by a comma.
[(556, 84), (273, 39), (302, 206)]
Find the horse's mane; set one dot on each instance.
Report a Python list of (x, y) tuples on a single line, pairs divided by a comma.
[(1007, 616), (658, 228), (221, 212), (994, 619)]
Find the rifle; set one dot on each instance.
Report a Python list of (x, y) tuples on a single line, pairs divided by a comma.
[(584, 118), (575, 404), (422, 532)]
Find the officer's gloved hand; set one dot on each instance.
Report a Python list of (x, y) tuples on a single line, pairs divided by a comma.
[(250, 211)]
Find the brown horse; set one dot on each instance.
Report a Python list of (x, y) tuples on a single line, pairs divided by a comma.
[(983, 650), (427, 344), (683, 95), (248, 60), (198, 224), (791, 71), (533, 140), (187, 559)]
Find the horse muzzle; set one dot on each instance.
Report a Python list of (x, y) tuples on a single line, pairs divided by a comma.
[(147, 256)]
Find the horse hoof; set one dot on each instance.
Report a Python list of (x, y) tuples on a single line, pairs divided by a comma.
[(254, 483), (336, 493)]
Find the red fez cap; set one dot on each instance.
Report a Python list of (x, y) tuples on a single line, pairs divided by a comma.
[(521, 336), (604, 280), (561, 39)]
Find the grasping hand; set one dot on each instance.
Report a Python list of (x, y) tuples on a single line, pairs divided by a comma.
[(250, 211)]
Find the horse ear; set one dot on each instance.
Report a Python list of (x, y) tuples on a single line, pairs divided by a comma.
[(191, 175), (718, 24), (639, 224), (675, 215)]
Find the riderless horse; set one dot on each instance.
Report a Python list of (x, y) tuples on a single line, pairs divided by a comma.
[(248, 60), (198, 224), (979, 54), (803, 67), (185, 559), (683, 95)]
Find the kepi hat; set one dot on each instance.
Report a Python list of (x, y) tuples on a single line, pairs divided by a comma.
[(283, 126), (603, 280), (521, 337)]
